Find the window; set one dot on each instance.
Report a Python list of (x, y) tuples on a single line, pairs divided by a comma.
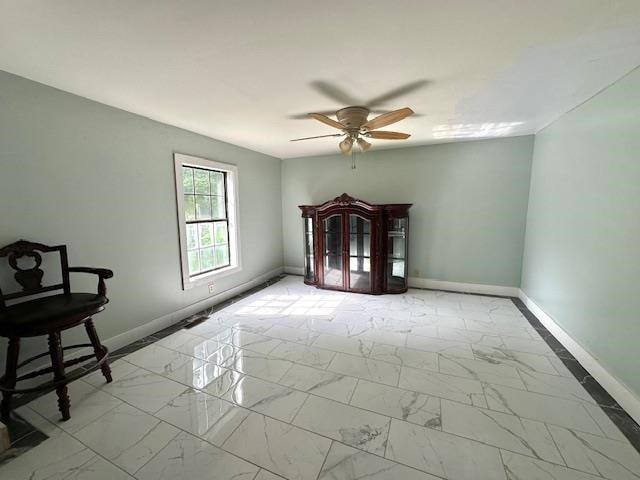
[(207, 215)]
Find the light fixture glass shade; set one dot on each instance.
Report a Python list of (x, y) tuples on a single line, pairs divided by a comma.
[(363, 144), (345, 145)]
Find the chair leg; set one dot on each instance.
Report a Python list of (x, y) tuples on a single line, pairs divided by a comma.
[(98, 349), (10, 376), (57, 363)]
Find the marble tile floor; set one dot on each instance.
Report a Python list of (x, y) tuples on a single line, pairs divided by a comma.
[(298, 383), (24, 435)]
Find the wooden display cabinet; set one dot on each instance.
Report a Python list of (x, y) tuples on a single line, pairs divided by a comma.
[(355, 246)]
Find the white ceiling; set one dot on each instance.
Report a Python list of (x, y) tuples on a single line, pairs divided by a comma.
[(238, 70)]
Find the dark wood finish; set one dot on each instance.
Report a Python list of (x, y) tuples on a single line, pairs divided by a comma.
[(99, 349), (57, 362), (378, 218), (10, 377), (48, 315), (102, 274), (30, 278)]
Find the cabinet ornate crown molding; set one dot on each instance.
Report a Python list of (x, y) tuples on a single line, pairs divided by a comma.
[(353, 245)]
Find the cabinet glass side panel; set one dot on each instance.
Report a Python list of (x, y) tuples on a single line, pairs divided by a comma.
[(332, 254), (359, 253), (397, 253), (309, 273)]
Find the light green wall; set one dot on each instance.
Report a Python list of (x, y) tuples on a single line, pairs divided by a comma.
[(470, 201), (101, 180), (582, 260)]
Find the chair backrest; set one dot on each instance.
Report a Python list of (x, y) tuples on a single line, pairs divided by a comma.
[(30, 279)]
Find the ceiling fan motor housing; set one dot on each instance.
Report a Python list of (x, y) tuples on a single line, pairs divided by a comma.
[(353, 117)]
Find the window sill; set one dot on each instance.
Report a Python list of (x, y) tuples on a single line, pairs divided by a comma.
[(206, 278)]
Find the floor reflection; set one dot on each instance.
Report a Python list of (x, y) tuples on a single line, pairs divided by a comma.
[(292, 305)]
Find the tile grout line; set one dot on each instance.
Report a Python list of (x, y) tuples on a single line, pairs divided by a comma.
[(330, 438), (179, 432), (357, 380), (386, 443), (353, 392), (462, 437), (598, 424), (183, 431), (390, 386), (72, 435), (297, 413), (178, 325), (153, 413), (298, 410), (324, 460), (604, 435), (555, 444), (504, 465), (471, 344), (410, 423)]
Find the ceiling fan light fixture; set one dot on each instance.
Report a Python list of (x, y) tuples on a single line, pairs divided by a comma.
[(363, 144), (346, 145), (354, 124)]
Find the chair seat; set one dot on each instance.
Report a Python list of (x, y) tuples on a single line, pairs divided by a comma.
[(56, 312)]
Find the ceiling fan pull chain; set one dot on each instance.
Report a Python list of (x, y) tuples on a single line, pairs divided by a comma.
[(353, 159)]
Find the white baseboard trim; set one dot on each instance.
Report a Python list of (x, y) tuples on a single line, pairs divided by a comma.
[(169, 319), (294, 270), (417, 282), (617, 389)]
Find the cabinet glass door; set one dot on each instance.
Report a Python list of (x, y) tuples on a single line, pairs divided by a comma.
[(397, 253), (309, 266), (332, 254), (359, 253)]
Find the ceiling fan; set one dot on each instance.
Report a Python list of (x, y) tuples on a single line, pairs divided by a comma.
[(355, 126)]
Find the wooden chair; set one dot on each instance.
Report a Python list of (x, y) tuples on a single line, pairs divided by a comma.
[(48, 315)]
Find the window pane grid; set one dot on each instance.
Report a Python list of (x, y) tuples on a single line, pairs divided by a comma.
[(207, 224)]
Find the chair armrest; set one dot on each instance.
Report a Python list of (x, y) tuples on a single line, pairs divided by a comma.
[(102, 273)]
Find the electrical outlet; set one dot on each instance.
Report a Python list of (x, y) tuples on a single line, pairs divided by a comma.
[(210, 287)]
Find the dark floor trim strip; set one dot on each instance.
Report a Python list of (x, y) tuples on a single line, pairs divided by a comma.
[(614, 411)]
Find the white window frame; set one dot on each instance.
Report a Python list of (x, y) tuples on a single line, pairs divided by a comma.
[(231, 171)]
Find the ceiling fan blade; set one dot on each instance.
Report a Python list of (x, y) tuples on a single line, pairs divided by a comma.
[(384, 135), (318, 136), (387, 118), (305, 116), (334, 92), (329, 121), (396, 92)]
